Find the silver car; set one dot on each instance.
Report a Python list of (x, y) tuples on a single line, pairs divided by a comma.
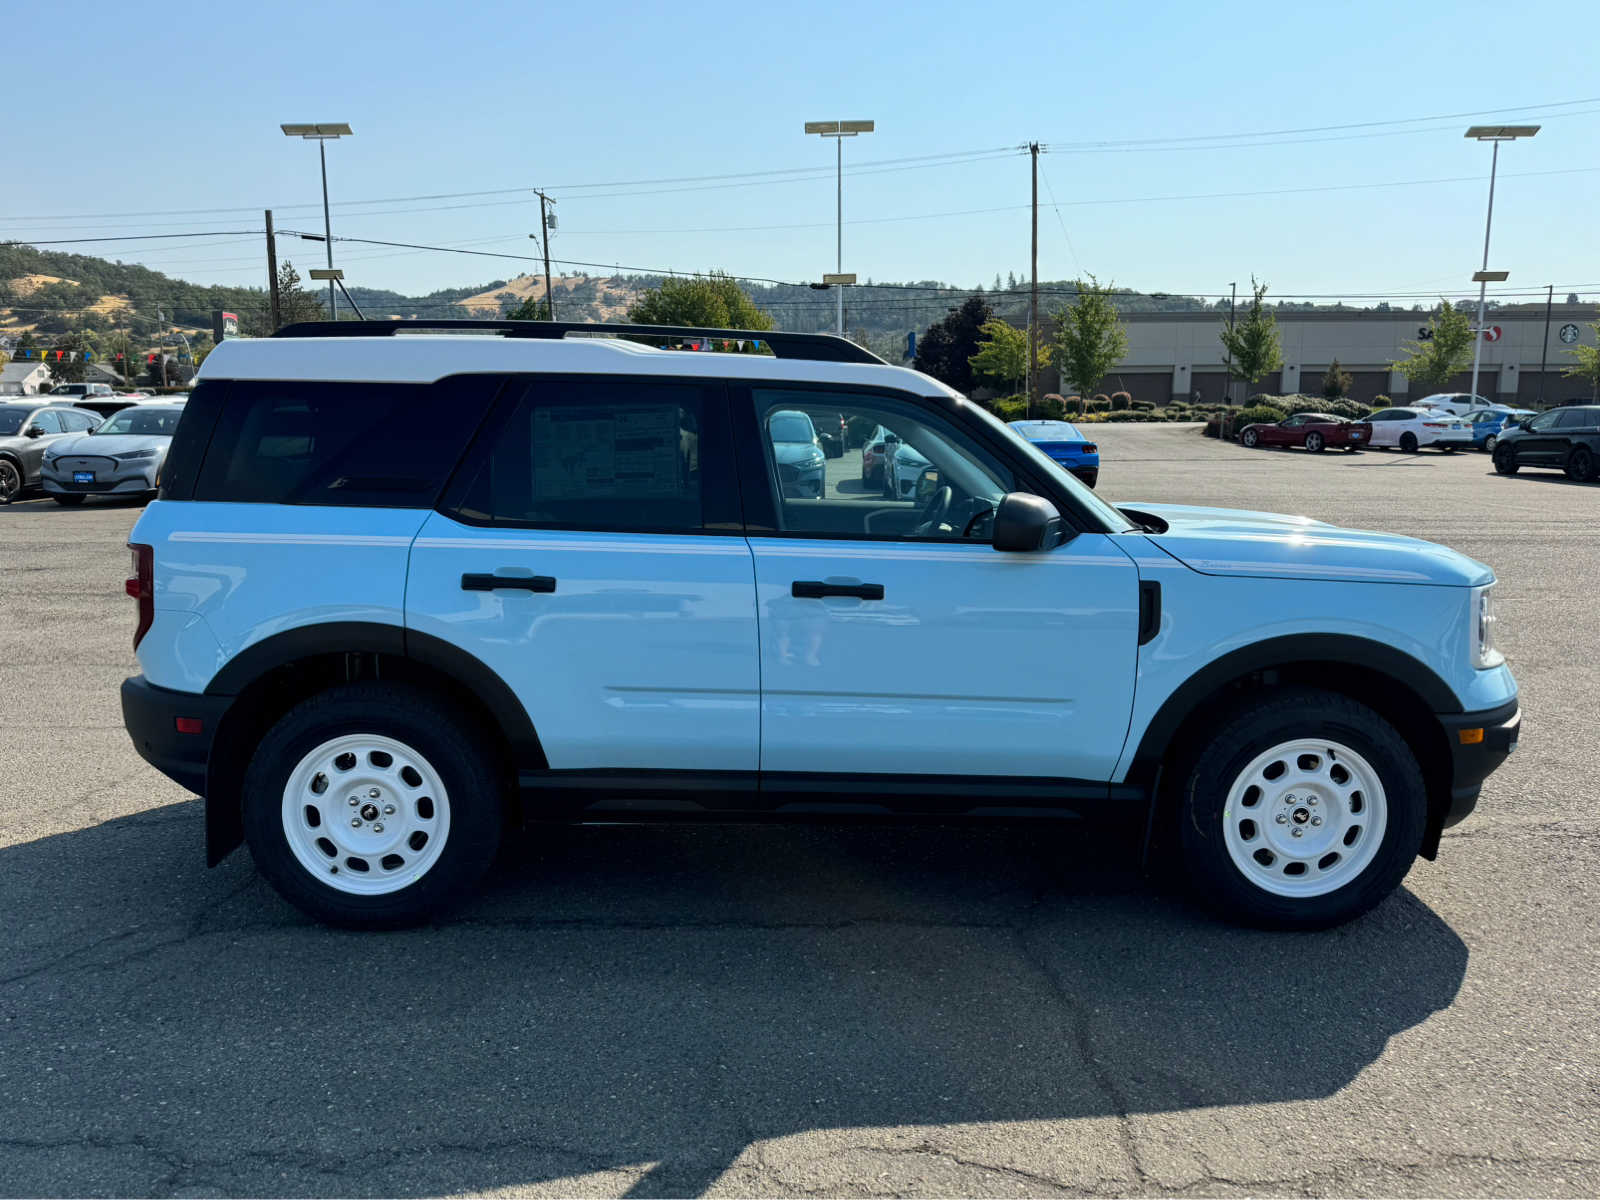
[(123, 457), (28, 427)]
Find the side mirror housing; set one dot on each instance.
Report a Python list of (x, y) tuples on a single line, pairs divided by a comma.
[(33, 431), (1024, 523)]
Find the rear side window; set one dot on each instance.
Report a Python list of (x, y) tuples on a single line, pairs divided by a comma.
[(1576, 418), (379, 445), (596, 455)]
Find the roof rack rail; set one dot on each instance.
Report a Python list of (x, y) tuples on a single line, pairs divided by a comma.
[(817, 347)]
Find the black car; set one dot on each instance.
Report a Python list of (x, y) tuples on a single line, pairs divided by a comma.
[(1564, 438)]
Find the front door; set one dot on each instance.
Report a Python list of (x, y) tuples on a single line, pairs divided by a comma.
[(896, 642), (590, 553)]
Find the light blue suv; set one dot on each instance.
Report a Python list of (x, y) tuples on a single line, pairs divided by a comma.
[(410, 584)]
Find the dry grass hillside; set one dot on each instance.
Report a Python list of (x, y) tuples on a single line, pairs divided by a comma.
[(608, 299)]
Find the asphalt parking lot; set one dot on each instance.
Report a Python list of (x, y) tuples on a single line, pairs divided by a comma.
[(787, 1011)]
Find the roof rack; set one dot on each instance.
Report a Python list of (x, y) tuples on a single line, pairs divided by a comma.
[(817, 347)]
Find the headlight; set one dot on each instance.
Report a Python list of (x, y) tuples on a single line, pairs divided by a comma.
[(1484, 654), (131, 455)]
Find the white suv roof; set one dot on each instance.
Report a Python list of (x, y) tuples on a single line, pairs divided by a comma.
[(424, 358)]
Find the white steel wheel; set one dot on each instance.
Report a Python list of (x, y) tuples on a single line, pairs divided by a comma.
[(366, 814), (1305, 818)]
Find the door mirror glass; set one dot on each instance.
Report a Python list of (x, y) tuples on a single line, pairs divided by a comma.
[(1024, 523)]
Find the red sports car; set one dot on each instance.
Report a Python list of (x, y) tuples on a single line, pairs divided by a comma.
[(1315, 431)]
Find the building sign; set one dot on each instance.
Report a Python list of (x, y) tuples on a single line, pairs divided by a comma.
[(1568, 334), (224, 325)]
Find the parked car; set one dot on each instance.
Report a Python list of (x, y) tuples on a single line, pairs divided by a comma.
[(799, 459), (373, 639), (122, 457), (1487, 423), (872, 457), (1411, 429), (1315, 431), (72, 393), (1063, 444), (1456, 403), (28, 428), (1567, 439), (903, 465)]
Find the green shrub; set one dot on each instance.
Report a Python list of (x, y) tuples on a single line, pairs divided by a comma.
[(1051, 408), (1099, 404), (1073, 405), (1258, 414), (1120, 401), (1142, 406), (1008, 408), (1382, 401)]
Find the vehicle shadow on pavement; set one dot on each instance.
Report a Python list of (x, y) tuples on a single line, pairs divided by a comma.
[(643, 1005)]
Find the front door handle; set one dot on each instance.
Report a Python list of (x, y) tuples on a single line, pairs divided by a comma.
[(816, 589), (481, 582)]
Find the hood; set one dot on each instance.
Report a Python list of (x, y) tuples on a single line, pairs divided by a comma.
[(108, 444), (1228, 541), (796, 452)]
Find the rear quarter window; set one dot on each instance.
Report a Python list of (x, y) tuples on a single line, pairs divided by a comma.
[(378, 445)]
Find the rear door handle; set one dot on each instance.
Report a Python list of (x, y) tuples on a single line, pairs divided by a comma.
[(481, 582), (815, 589)]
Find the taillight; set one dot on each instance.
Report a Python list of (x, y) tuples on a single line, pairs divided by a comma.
[(1090, 448), (142, 587)]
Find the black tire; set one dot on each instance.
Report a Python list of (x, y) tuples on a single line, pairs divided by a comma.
[(12, 480), (66, 500), (1271, 719), (1250, 439), (407, 715), (1505, 459), (1580, 464), (1408, 443)]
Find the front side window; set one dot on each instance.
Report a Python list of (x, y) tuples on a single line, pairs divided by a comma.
[(1293, 422), (595, 455), (1544, 420), (905, 472), (48, 421)]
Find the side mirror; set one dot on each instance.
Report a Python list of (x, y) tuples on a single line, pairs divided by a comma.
[(33, 431), (890, 439), (927, 484), (1024, 523)]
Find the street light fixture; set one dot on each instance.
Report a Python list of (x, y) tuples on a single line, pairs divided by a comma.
[(322, 134), (1495, 134), (838, 131)]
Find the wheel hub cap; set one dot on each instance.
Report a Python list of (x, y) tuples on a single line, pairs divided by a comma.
[(1305, 817)]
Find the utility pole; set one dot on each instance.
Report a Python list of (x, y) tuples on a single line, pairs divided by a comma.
[(1033, 303), (1544, 359), (274, 319), (544, 237), (1233, 296)]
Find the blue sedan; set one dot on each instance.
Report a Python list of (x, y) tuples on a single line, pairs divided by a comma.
[(1061, 441), (1489, 423)]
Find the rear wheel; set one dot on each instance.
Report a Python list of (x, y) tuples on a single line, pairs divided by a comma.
[(1304, 810), (1316, 443), (371, 806), (1408, 442), (1490, 442), (1580, 464), (1505, 460), (66, 500)]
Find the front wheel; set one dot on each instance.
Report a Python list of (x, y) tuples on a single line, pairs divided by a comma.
[(1580, 464), (10, 481), (1250, 439), (1316, 443), (1408, 442), (372, 806), (1304, 810), (1505, 460)]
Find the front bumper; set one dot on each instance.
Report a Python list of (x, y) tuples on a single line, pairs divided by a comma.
[(1490, 737), (151, 715), (127, 480)]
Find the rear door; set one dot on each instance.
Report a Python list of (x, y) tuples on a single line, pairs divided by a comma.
[(898, 646), (591, 553), (1542, 445)]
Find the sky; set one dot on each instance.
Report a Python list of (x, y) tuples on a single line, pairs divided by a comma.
[(671, 138)]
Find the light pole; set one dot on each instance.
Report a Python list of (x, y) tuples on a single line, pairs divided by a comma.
[(1495, 134), (322, 134), (838, 131)]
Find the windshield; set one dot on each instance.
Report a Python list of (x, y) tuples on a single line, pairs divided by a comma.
[(11, 420), (790, 427), (148, 422), (1112, 518)]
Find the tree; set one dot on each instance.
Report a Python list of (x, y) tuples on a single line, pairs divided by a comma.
[(1587, 366), (714, 301), (294, 302), (1336, 382), (1252, 344), (945, 351), (1090, 339), (1003, 354), (1445, 350), (531, 309), (70, 367)]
